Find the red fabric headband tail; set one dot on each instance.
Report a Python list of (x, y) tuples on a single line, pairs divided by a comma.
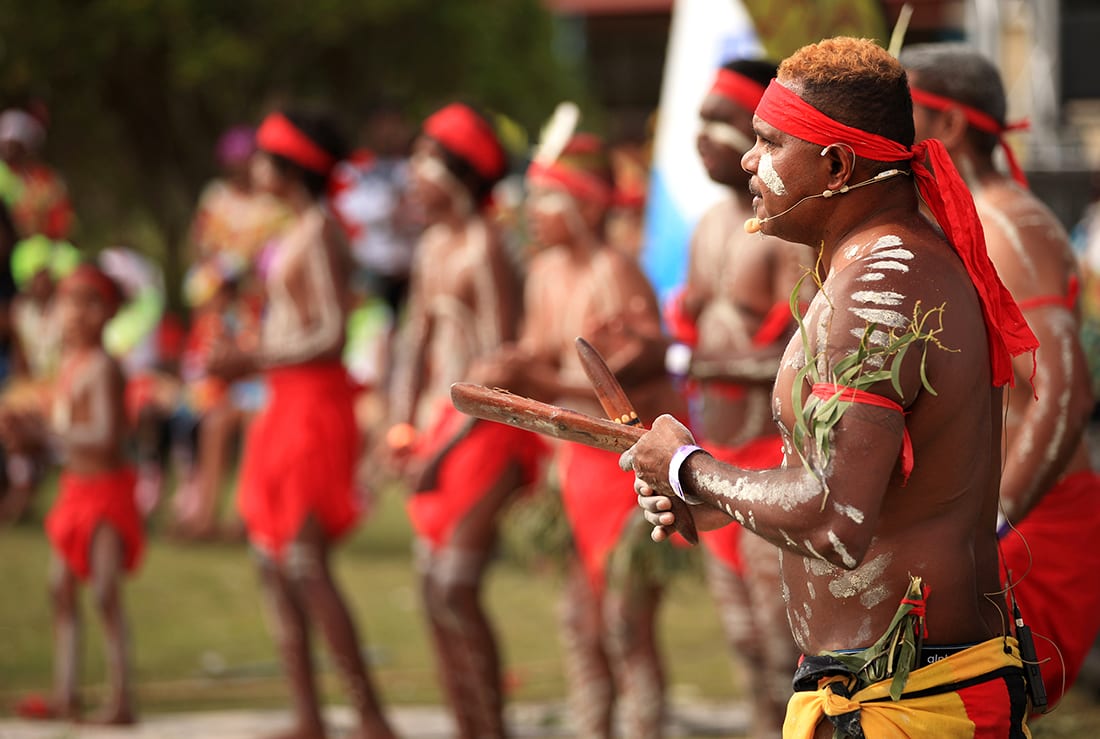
[(277, 135), (980, 121), (947, 197), (467, 135), (737, 88)]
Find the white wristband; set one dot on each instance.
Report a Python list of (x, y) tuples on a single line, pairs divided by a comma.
[(674, 466)]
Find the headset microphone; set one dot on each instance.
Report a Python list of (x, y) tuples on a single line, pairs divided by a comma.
[(753, 225)]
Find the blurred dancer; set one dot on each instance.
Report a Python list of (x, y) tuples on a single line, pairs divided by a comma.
[(735, 313), (578, 285), (463, 304), (296, 490)]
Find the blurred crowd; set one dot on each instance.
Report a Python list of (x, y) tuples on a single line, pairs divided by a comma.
[(187, 425)]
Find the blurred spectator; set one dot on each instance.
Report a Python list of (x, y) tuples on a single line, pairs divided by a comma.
[(231, 215), (36, 193), (214, 408), (34, 351), (37, 264), (369, 193)]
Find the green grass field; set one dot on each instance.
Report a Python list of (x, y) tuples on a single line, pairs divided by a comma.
[(200, 640)]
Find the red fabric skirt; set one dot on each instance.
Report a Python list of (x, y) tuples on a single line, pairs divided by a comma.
[(468, 470), (299, 460), (598, 498), (764, 453), (84, 503), (1059, 593)]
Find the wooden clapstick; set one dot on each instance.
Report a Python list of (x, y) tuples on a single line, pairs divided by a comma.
[(549, 420), (619, 409)]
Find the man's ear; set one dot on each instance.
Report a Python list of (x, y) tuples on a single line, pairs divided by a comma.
[(953, 127), (840, 161)]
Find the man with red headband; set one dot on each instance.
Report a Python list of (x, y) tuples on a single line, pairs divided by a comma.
[(734, 316), (577, 285), (94, 527), (1049, 492), (463, 304), (297, 494), (889, 400)]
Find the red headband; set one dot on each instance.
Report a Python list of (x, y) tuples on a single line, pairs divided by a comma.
[(946, 196), (577, 183), (737, 88), (979, 120), (88, 275), (465, 134), (277, 135)]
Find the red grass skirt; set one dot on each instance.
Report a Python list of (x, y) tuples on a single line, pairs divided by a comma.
[(598, 498), (468, 470), (84, 503), (299, 460), (1059, 596)]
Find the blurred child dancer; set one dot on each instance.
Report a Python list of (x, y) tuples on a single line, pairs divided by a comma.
[(94, 527)]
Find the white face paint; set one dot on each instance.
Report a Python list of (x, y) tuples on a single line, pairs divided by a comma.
[(726, 135), (771, 179)]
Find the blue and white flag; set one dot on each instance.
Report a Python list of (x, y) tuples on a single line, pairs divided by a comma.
[(705, 34)]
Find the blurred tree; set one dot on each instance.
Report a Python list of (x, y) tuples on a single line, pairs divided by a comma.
[(785, 27), (138, 90)]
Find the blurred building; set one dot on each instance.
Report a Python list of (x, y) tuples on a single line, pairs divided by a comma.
[(1045, 49)]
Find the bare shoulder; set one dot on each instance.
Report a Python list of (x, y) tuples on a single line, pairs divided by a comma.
[(1026, 242), (889, 285), (104, 368)]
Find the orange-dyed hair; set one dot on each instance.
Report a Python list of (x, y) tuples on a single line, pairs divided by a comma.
[(854, 81)]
